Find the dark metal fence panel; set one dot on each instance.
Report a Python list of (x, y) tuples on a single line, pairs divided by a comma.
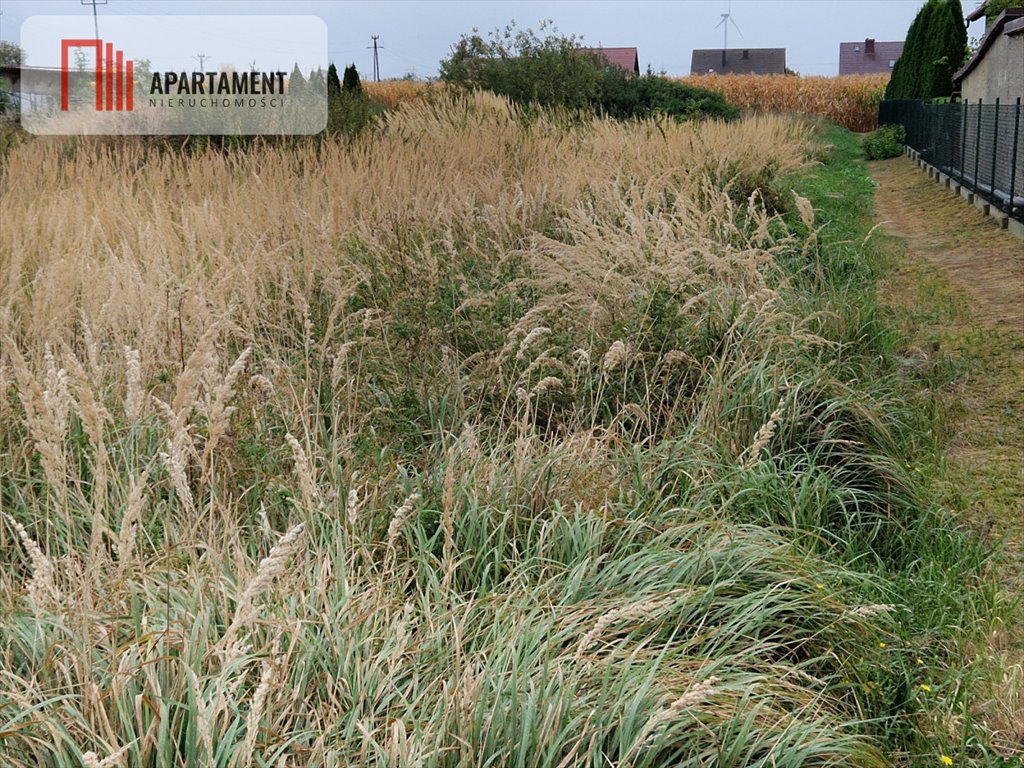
[(981, 146)]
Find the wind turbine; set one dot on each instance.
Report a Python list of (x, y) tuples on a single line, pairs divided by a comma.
[(724, 23)]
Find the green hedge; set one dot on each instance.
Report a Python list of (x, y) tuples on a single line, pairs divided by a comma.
[(886, 142)]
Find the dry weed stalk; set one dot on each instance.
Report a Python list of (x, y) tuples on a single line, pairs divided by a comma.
[(134, 509), (135, 396), (114, 760), (644, 609), (616, 355), (256, 711), (218, 412), (398, 521), (270, 568), (764, 436), (46, 406), (42, 587), (546, 384), (697, 694), (307, 484), (537, 333)]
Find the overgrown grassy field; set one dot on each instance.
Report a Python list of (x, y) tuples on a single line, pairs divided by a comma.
[(485, 440)]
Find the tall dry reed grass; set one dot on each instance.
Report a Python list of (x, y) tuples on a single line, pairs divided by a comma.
[(368, 454)]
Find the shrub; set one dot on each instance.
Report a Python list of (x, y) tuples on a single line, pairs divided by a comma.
[(886, 142), (623, 96), (351, 113)]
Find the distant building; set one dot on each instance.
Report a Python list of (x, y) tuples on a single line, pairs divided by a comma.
[(746, 61), (38, 88), (868, 57), (996, 70), (626, 58)]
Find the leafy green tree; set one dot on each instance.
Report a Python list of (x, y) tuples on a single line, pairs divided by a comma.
[(350, 81), (935, 47), (11, 55), (333, 83), (995, 7), (550, 71)]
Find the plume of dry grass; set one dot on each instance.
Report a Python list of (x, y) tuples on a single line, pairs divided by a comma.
[(850, 100)]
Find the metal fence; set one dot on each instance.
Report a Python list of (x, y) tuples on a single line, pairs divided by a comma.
[(980, 146)]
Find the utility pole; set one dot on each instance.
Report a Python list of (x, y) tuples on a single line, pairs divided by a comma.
[(201, 57), (376, 61), (95, 18)]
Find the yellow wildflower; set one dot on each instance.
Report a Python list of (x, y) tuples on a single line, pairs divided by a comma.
[(945, 759), (926, 688)]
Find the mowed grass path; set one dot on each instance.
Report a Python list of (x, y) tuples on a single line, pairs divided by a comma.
[(959, 283)]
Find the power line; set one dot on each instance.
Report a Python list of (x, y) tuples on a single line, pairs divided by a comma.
[(201, 57), (95, 18), (376, 61)]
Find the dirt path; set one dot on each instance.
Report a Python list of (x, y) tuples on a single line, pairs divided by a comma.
[(963, 280), (960, 280), (943, 230)]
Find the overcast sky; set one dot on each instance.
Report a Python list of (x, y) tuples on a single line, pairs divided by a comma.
[(416, 34)]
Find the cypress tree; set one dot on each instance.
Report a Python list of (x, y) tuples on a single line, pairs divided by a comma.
[(316, 83), (934, 50), (907, 68), (296, 82), (350, 82), (950, 49), (333, 83)]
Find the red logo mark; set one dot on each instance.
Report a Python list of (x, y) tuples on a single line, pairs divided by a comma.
[(113, 75)]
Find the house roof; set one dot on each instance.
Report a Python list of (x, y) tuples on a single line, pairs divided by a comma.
[(978, 12), (1007, 23), (757, 61), (855, 59), (626, 58)]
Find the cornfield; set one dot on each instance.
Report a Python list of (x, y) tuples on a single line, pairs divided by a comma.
[(393, 93), (479, 441), (850, 100)]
